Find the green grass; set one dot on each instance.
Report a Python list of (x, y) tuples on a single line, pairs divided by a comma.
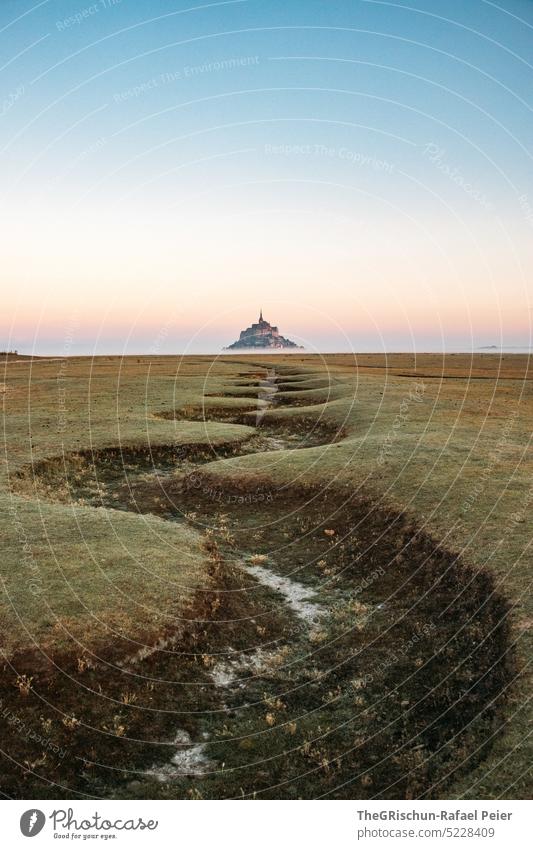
[(78, 579), (75, 574)]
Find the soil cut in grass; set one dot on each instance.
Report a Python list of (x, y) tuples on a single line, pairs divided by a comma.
[(332, 647), (397, 679)]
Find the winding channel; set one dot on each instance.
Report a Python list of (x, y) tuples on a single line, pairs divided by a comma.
[(363, 619)]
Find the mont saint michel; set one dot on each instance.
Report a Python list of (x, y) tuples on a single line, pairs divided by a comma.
[(262, 335)]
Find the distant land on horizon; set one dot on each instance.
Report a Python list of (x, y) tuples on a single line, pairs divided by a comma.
[(262, 334)]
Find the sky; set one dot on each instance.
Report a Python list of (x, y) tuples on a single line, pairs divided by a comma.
[(362, 170)]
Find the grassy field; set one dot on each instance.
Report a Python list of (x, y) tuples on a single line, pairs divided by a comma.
[(219, 586)]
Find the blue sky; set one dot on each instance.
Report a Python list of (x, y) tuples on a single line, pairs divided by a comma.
[(361, 168)]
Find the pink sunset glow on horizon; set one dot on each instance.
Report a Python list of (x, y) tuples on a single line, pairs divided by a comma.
[(364, 205), (329, 283)]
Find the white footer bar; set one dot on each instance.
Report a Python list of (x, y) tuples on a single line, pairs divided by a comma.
[(269, 824)]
